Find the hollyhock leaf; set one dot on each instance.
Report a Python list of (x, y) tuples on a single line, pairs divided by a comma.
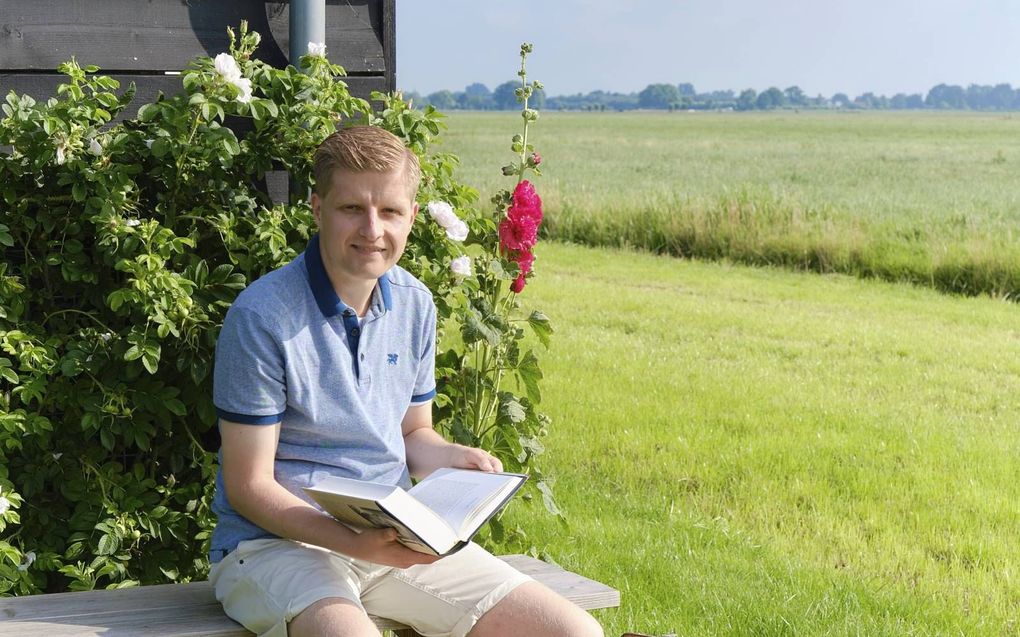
[(541, 326)]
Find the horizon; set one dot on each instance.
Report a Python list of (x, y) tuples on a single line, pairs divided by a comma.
[(825, 48)]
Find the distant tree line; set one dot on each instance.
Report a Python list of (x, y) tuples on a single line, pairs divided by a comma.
[(477, 96)]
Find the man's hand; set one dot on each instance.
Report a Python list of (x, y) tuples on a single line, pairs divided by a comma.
[(461, 457), (380, 546), (427, 450)]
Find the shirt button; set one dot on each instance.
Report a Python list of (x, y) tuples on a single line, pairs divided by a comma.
[(355, 331), (348, 314)]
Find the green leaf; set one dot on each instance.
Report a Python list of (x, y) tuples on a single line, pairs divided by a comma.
[(108, 544), (150, 360), (530, 374), (511, 409), (474, 330), (160, 147), (548, 500), (106, 438), (133, 353), (176, 407), (541, 326)]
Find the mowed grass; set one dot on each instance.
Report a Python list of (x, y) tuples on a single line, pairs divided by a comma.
[(930, 198), (757, 452)]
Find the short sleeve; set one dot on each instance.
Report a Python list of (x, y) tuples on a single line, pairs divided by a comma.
[(425, 384), (249, 382)]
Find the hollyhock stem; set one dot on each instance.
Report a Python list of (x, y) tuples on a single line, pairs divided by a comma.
[(524, 87)]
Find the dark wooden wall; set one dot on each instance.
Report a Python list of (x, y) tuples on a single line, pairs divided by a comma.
[(141, 40)]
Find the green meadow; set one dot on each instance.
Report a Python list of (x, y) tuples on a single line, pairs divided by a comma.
[(929, 198), (753, 451)]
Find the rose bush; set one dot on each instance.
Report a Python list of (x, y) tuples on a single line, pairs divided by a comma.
[(123, 246)]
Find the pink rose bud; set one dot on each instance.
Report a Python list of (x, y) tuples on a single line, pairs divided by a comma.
[(535, 159)]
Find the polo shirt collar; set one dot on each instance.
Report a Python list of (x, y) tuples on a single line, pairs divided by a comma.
[(322, 289)]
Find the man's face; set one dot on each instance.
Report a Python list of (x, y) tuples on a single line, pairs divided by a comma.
[(364, 221)]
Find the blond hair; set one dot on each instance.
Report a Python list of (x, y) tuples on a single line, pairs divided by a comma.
[(364, 148)]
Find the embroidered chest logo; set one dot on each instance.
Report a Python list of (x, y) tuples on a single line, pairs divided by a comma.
[(391, 359)]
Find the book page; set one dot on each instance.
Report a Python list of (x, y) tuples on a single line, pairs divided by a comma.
[(458, 495)]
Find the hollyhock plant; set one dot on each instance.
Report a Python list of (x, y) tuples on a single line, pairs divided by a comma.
[(477, 407)]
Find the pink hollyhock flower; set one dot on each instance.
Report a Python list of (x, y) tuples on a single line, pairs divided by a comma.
[(519, 229), (518, 285), (535, 159), (525, 260)]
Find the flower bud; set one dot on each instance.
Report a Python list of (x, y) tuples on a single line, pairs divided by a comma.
[(526, 48), (529, 114), (518, 139), (534, 159), (538, 85), (509, 169)]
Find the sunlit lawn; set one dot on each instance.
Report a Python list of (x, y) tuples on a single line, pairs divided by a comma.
[(755, 452)]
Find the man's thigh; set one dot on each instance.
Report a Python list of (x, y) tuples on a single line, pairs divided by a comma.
[(263, 584), (446, 597)]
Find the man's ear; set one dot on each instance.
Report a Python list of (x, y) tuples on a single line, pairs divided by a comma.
[(316, 207), (414, 212)]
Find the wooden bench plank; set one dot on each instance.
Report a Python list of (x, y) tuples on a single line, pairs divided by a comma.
[(191, 610)]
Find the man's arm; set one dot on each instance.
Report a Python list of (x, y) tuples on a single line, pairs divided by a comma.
[(427, 450), (249, 452)]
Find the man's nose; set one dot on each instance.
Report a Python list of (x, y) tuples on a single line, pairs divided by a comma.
[(371, 228)]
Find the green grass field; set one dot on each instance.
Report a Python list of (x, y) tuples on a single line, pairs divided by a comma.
[(758, 452), (932, 198)]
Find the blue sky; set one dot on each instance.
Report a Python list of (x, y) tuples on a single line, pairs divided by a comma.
[(823, 46)]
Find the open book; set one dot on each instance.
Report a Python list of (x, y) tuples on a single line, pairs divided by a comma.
[(438, 516)]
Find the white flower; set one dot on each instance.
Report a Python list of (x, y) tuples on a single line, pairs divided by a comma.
[(56, 456), (29, 558), (61, 156), (458, 231), (106, 336), (227, 67), (443, 213), (243, 85), (461, 266), (317, 48), (132, 223), (148, 143), (95, 147), (5, 505)]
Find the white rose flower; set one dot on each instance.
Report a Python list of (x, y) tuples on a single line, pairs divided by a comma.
[(227, 67), (442, 212), (29, 558), (444, 215), (458, 231), (5, 505), (317, 48), (244, 86), (95, 147), (61, 156), (132, 223), (461, 266)]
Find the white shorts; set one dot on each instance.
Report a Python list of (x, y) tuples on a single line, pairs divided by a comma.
[(263, 584)]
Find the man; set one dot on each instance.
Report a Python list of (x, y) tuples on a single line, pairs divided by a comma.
[(326, 367)]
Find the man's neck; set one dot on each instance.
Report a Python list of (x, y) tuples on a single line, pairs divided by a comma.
[(357, 297)]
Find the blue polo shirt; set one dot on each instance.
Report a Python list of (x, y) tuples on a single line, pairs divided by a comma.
[(292, 352)]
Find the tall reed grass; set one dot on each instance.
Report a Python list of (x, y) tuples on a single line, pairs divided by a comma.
[(931, 199)]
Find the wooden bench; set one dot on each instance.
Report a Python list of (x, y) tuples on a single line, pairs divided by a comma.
[(191, 610)]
